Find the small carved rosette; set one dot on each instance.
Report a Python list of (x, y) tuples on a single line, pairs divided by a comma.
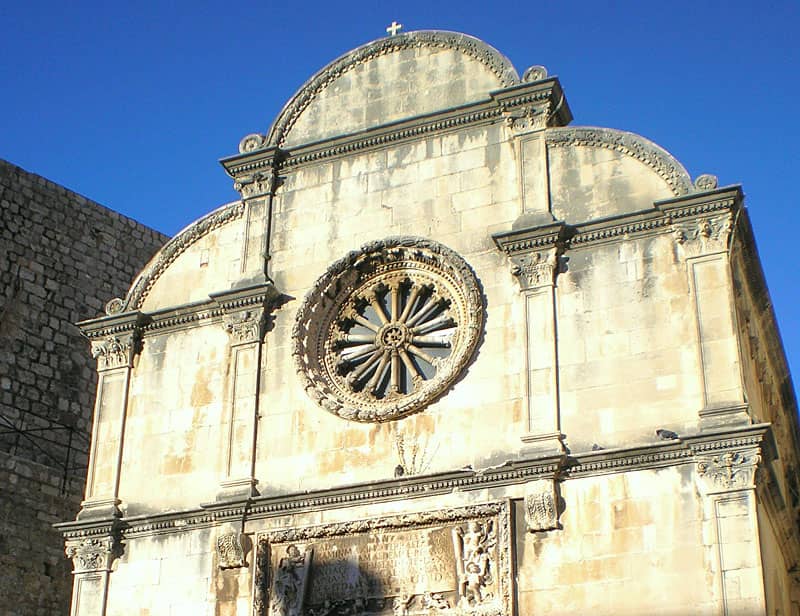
[(388, 329)]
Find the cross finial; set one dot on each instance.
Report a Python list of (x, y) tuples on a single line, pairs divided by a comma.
[(394, 28)]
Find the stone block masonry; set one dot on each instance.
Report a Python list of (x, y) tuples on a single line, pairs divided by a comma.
[(62, 256)]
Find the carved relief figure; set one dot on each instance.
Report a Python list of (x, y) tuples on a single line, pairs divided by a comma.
[(289, 583), (472, 550)]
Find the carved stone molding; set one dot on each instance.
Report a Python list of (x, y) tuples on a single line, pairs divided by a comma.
[(630, 144), (245, 326), (536, 269), (534, 253), (388, 329), (230, 551), (534, 73), (91, 554), (705, 182), (704, 235), (732, 469), (541, 505), (488, 56), (475, 540), (116, 351)]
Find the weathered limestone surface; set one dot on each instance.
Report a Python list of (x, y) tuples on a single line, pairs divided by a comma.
[(62, 257), (448, 355)]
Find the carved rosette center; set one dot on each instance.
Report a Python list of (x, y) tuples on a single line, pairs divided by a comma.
[(387, 329)]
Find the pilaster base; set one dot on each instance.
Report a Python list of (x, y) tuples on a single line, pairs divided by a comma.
[(544, 444)]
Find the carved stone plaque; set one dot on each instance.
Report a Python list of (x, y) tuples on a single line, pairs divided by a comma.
[(450, 562)]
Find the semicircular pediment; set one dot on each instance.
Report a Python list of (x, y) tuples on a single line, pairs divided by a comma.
[(391, 79)]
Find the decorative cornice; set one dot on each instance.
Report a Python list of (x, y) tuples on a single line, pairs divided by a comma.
[(662, 454), (230, 302), (94, 547), (507, 103), (486, 55), (630, 144)]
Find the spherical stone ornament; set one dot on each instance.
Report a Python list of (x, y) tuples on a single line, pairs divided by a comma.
[(388, 329)]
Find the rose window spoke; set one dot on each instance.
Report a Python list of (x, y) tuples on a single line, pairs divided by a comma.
[(393, 338)]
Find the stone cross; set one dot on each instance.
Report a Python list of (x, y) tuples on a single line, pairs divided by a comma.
[(394, 28)]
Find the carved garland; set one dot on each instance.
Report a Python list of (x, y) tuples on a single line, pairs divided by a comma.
[(498, 513), (631, 145), (387, 329), (460, 42)]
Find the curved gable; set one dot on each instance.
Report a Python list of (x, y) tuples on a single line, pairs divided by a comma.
[(599, 172), (391, 79)]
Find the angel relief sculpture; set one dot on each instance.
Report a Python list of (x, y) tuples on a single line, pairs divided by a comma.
[(474, 548), (289, 581)]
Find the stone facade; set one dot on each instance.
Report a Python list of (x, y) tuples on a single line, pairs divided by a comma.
[(447, 355), (61, 256)]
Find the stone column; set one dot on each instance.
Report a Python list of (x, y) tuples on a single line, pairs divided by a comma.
[(244, 318), (115, 341), (534, 254), (725, 481), (702, 231)]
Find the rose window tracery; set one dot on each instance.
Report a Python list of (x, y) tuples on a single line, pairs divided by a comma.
[(388, 329)]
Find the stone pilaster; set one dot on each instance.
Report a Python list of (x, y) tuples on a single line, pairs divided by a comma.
[(534, 254), (116, 341), (244, 318), (702, 224), (530, 108), (725, 479)]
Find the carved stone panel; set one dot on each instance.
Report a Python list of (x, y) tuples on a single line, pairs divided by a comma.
[(455, 562)]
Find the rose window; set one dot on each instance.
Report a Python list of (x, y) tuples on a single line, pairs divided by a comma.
[(388, 329)]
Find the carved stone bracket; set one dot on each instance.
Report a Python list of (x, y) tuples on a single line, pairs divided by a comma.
[(727, 470), (541, 505), (230, 551), (534, 253)]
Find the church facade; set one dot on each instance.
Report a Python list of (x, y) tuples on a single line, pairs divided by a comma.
[(448, 354)]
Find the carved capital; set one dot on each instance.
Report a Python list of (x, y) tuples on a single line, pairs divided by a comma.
[(541, 505), (90, 554), (536, 269), (705, 235), (245, 326), (727, 470), (529, 118), (230, 551), (116, 351), (256, 184)]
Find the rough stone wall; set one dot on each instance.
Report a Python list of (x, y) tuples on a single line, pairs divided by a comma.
[(62, 257)]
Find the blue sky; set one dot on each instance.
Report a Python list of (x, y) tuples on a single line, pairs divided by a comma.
[(132, 104)]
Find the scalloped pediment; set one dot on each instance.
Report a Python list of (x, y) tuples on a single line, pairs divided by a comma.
[(392, 79)]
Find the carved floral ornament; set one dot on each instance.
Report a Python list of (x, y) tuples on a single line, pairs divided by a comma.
[(93, 553), (387, 329), (728, 470), (115, 351)]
